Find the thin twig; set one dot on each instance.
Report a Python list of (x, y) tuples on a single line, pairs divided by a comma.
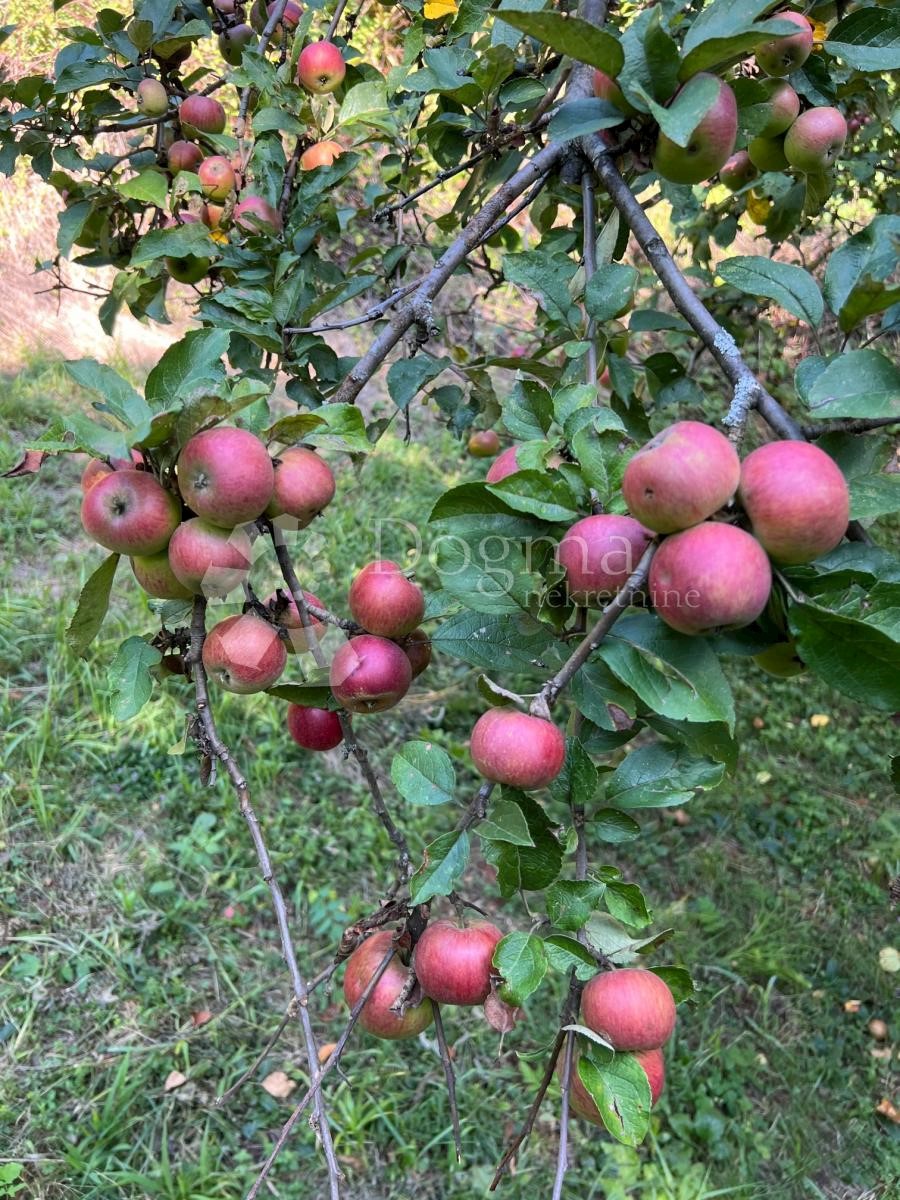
[(449, 1078), (589, 221), (528, 1124), (562, 1157), (850, 425)]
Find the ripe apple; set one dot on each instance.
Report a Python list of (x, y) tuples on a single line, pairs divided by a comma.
[(155, 575), (781, 660), (300, 637), (233, 41), (290, 18), (599, 553), (710, 577), (98, 468), (369, 674), (321, 154), (212, 215), (606, 88), (797, 500), (517, 749), (783, 105), (783, 56), (183, 156), (209, 561), (580, 1100), (216, 176), (224, 6), (681, 476), (384, 601), (453, 965), (226, 476), (304, 485), (244, 654), (631, 1008), (255, 215), (417, 648), (314, 728), (320, 67), (376, 1016), (711, 144), (129, 512), (484, 443), (152, 98), (502, 466), (767, 154), (815, 140), (201, 114), (738, 171)]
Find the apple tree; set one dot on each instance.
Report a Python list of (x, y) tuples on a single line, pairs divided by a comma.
[(612, 172)]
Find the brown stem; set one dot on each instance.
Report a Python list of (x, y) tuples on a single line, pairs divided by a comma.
[(528, 1125), (449, 1078)]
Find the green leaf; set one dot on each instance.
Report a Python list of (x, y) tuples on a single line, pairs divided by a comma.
[(98, 440), (565, 954), (856, 272), (867, 40), (626, 903), (614, 827), (192, 364), (445, 860), (659, 777), (532, 867), (521, 960), (621, 1091), (131, 683), (852, 656), (184, 241), (678, 981), (534, 492), (407, 376), (307, 695), (505, 822), (860, 383), (119, 397), (610, 291), (528, 410), (423, 773), (679, 120), (725, 32), (577, 118), (874, 496), (151, 186), (571, 901), (572, 36), (92, 605), (470, 569), (790, 286), (342, 427), (545, 274), (511, 642)]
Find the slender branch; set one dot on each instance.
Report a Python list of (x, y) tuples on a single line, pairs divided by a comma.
[(589, 221), (449, 1078), (562, 1157), (267, 34), (335, 20), (211, 744), (850, 425), (371, 314), (477, 809), (528, 1124)]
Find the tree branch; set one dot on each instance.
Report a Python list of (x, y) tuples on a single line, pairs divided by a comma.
[(449, 1078)]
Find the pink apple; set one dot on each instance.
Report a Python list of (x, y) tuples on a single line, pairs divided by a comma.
[(207, 560), (201, 114), (783, 56), (384, 601), (183, 156), (630, 1008), (304, 485), (255, 215), (581, 1101), (314, 728), (738, 171), (710, 145), (226, 476), (129, 512), (453, 964), (216, 176), (321, 67), (376, 1016), (505, 464), (244, 654), (606, 88), (517, 749), (369, 674), (598, 554), (815, 140), (783, 106)]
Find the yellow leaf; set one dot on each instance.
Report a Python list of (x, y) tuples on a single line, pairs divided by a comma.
[(852, 1006), (819, 720), (758, 208), (889, 959), (436, 9)]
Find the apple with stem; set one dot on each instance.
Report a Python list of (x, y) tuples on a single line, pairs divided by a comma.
[(376, 1016), (226, 476)]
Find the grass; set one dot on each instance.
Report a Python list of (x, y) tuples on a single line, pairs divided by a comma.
[(129, 902)]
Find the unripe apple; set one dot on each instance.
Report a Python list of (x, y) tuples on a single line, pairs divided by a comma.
[(186, 268), (314, 728), (226, 476), (767, 154), (606, 88), (783, 56), (129, 512), (815, 140), (580, 1100), (453, 964), (781, 660), (244, 654), (738, 171), (797, 500), (710, 577), (598, 554), (320, 67), (417, 648), (783, 105), (233, 41), (155, 575), (369, 674), (304, 485), (680, 477), (212, 214), (630, 1008), (216, 176), (503, 465), (183, 156), (209, 561), (152, 98), (484, 443), (300, 637), (376, 1016), (711, 144), (384, 601), (97, 468), (201, 114), (256, 215), (517, 749), (321, 154)]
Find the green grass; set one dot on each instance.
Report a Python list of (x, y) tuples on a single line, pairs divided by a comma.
[(130, 900)]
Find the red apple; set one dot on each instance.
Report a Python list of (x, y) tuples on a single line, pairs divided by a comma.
[(630, 1008), (710, 145), (783, 105), (797, 500), (300, 638), (152, 98), (255, 215), (783, 56), (681, 477), (155, 575), (314, 728), (516, 749), (484, 443), (320, 67), (710, 577), (209, 561), (417, 648), (502, 466), (369, 674), (599, 553), (304, 485), (606, 88), (201, 114), (453, 965), (98, 468), (244, 654), (321, 154), (290, 18), (226, 476), (815, 140), (738, 171), (216, 176), (376, 1016), (580, 1100), (129, 512), (211, 215), (183, 156), (232, 42), (384, 601)]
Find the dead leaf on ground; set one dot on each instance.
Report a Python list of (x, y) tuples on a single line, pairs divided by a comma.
[(201, 1017), (886, 1109), (174, 1080), (326, 1051), (852, 1006), (278, 1085)]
